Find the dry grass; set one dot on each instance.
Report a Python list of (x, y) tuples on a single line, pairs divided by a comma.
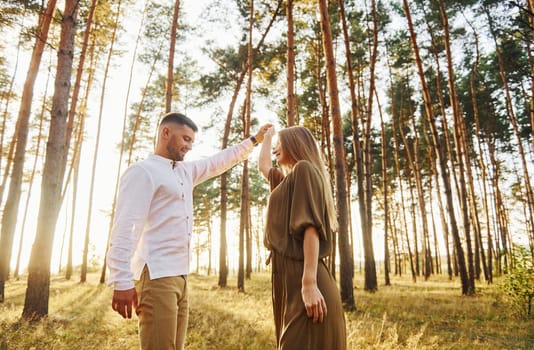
[(424, 315)]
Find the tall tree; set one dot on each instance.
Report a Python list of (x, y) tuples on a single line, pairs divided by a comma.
[(529, 193), (170, 65), (9, 217), (237, 82), (83, 275), (291, 97), (31, 181), (244, 222), (346, 262), (70, 126), (383, 150), (122, 147), (429, 114), (37, 292), (461, 151), (371, 283), (355, 119), (530, 43)]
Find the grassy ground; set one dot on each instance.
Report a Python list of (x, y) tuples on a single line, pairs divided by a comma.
[(424, 315)]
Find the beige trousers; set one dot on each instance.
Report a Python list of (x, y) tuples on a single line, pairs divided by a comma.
[(163, 312)]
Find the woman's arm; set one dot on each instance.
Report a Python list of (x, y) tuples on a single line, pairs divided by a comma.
[(311, 295), (264, 159)]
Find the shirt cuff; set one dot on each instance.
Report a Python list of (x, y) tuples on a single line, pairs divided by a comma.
[(123, 285)]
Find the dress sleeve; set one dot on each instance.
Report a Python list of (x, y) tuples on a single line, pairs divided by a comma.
[(275, 177), (308, 203)]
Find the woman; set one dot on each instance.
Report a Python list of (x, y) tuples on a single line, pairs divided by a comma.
[(300, 219)]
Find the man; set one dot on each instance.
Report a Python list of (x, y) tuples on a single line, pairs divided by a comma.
[(149, 250)]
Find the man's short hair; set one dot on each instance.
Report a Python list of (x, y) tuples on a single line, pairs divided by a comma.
[(178, 118)]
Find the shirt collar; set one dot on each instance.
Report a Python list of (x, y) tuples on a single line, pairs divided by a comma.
[(162, 160)]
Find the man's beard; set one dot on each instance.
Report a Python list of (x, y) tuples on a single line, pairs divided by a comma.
[(175, 154)]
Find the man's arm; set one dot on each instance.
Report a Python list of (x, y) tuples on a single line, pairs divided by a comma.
[(133, 203), (217, 164)]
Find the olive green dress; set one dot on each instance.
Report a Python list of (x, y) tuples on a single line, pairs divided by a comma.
[(296, 202)]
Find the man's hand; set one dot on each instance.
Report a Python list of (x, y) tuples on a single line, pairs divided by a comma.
[(263, 130), (123, 300)]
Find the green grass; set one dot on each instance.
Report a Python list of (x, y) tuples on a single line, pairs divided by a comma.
[(406, 315)]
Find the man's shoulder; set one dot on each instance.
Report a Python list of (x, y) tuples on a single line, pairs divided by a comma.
[(147, 165)]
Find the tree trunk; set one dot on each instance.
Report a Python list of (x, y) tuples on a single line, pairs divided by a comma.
[(371, 283), (83, 275), (440, 153), (122, 145), (401, 187), (140, 108), (462, 152), (513, 120), (436, 45), (76, 158), (223, 263), (409, 174), (346, 263), (9, 97), (385, 191), (170, 66), (487, 262), (530, 42), (355, 118), (32, 176), (10, 212), (37, 292), (291, 97), (242, 229)]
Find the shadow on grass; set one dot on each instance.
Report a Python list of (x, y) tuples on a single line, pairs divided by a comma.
[(225, 319)]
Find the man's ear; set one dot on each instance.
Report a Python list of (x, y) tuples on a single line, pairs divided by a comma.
[(165, 130)]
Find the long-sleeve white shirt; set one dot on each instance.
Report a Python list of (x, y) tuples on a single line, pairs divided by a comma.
[(154, 214)]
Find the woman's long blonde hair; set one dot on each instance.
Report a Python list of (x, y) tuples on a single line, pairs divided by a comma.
[(298, 143)]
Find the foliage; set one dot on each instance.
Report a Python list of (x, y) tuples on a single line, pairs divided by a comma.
[(518, 285), (11, 11)]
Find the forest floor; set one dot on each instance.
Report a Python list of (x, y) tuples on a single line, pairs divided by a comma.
[(423, 315)]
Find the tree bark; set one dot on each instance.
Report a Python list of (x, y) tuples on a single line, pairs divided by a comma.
[(513, 120), (439, 151), (83, 275), (355, 120), (223, 263), (170, 65), (10, 212), (291, 97), (32, 176), (37, 292), (385, 192), (346, 263), (462, 152), (122, 143)]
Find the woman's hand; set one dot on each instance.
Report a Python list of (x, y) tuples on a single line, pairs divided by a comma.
[(313, 301), (263, 131)]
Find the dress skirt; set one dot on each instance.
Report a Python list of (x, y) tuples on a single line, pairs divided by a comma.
[(294, 330)]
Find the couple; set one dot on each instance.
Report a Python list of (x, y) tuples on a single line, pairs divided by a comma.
[(148, 255)]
